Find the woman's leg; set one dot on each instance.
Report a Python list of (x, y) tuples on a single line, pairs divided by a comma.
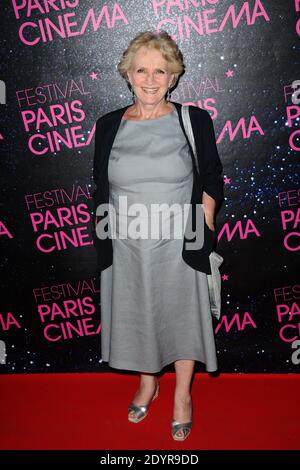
[(182, 397), (146, 390)]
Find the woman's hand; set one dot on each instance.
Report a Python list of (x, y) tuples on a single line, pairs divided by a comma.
[(210, 223), (209, 204)]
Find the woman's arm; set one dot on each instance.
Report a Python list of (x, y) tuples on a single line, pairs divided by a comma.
[(209, 207), (97, 170), (213, 183)]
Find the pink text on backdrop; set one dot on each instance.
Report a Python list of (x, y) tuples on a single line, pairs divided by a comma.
[(63, 25), (66, 290), (239, 321), (242, 228), (57, 196), (62, 227), (54, 141), (297, 9), (195, 94), (206, 21), (293, 114), (66, 310), (288, 312), (289, 203), (4, 231), (8, 321), (48, 93), (56, 315), (68, 219)]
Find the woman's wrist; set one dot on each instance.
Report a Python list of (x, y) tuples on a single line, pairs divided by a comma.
[(209, 220), (210, 223), (209, 205)]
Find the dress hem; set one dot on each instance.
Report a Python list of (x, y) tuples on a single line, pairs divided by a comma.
[(134, 368)]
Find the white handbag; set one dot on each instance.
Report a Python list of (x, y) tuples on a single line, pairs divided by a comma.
[(213, 279)]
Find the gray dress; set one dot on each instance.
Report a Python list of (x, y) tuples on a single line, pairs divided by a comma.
[(154, 307)]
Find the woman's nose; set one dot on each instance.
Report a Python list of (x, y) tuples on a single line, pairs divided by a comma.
[(150, 77)]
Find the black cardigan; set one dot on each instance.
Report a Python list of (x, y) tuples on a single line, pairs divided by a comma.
[(210, 180)]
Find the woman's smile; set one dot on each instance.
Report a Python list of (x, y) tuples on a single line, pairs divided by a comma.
[(150, 91)]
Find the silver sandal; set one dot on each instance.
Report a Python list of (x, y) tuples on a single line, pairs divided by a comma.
[(184, 427), (138, 412)]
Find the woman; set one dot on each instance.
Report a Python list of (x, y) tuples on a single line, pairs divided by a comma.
[(154, 295)]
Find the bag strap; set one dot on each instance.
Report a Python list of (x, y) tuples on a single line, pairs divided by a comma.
[(213, 279), (186, 119)]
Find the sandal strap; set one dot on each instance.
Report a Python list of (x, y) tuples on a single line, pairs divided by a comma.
[(139, 410), (184, 427)]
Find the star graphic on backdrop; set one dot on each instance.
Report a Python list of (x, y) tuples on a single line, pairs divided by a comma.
[(229, 73), (225, 277), (94, 76), (227, 180)]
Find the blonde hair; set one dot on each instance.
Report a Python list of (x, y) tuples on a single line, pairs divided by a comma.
[(162, 42)]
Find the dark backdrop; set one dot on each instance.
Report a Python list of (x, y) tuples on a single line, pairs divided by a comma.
[(59, 71)]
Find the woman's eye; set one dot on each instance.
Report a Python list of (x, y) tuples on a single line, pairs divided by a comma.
[(158, 71)]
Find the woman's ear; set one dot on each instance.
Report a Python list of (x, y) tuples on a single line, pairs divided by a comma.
[(128, 77), (172, 81)]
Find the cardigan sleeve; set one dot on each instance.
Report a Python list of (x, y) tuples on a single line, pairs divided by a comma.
[(97, 194), (212, 176)]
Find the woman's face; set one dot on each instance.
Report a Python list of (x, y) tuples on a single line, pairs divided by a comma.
[(149, 75)]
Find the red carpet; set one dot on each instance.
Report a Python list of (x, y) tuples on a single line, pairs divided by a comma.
[(89, 411)]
